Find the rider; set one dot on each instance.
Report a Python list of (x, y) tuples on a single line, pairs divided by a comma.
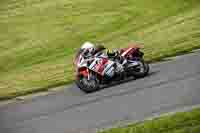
[(89, 50)]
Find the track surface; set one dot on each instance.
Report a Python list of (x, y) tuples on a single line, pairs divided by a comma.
[(171, 85)]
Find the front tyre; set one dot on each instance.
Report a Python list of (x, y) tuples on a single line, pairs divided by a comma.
[(86, 85), (142, 70)]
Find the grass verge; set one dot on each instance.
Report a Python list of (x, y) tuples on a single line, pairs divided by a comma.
[(183, 122), (38, 38)]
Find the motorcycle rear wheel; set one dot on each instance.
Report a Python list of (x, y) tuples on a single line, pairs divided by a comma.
[(142, 70)]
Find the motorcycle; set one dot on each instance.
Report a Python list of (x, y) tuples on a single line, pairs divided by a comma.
[(92, 72)]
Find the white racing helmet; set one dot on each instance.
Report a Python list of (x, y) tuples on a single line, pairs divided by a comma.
[(87, 45), (88, 48)]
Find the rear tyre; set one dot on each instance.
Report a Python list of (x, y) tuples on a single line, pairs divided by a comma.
[(142, 70), (86, 85)]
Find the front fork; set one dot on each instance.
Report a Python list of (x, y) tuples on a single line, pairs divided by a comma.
[(88, 77)]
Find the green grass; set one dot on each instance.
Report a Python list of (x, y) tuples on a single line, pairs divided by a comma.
[(38, 37), (184, 122)]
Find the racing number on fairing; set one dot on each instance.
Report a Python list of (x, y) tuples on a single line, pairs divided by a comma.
[(97, 65), (109, 70)]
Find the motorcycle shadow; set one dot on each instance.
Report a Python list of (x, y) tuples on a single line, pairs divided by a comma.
[(115, 83)]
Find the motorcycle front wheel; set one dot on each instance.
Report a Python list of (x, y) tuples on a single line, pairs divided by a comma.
[(86, 85)]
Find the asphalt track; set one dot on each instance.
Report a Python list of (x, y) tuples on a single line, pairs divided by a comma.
[(171, 85)]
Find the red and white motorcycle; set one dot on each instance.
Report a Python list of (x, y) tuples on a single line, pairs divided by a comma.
[(91, 73)]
